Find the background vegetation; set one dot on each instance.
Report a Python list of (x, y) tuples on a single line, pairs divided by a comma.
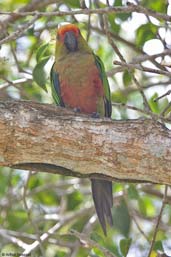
[(50, 215)]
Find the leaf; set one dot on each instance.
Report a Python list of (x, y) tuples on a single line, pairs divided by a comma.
[(75, 3), (122, 16), (46, 199), (142, 206), (145, 32), (34, 182), (41, 51), (121, 218), (114, 27), (3, 181), (39, 74), (125, 245), (127, 78), (157, 5), (74, 200), (158, 246), (96, 237), (97, 253), (132, 192), (154, 105), (118, 97), (9, 248)]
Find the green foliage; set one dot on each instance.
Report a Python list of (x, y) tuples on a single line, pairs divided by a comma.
[(125, 245), (97, 253), (122, 16), (118, 97), (146, 206), (19, 216), (113, 25), (39, 74), (133, 192), (157, 5), (142, 206), (9, 248), (157, 106), (153, 104), (144, 33), (127, 78), (42, 52), (121, 218), (158, 246), (74, 4), (42, 57), (74, 200)]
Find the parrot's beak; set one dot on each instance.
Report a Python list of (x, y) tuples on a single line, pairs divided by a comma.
[(70, 41)]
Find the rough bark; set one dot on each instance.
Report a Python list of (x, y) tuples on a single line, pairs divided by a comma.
[(56, 140)]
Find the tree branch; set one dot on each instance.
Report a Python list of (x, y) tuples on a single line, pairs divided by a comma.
[(56, 140), (119, 9)]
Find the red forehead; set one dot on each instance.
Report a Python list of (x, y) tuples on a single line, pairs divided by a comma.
[(69, 27)]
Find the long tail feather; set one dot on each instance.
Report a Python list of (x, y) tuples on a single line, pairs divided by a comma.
[(103, 201)]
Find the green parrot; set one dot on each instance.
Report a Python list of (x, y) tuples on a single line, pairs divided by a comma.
[(78, 81)]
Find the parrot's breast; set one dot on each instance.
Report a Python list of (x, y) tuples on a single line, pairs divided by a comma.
[(80, 83)]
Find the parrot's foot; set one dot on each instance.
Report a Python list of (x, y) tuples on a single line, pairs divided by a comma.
[(77, 109), (95, 115)]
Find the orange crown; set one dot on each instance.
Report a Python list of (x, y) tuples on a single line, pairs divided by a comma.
[(69, 27)]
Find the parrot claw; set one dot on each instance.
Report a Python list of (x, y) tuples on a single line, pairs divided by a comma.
[(77, 109), (95, 115)]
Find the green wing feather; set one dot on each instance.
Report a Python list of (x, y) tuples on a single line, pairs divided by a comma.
[(55, 87), (101, 68)]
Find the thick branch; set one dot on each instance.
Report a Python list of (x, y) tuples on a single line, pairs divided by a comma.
[(53, 139)]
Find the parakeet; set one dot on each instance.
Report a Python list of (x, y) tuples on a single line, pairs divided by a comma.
[(78, 81)]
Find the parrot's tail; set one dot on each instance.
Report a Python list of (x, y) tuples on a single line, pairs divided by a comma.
[(103, 201)]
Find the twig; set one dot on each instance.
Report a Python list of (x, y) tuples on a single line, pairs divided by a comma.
[(131, 89), (89, 243), (143, 55), (158, 221), (145, 112), (31, 6), (111, 42), (131, 213), (140, 229), (154, 192), (29, 214), (12, 236), (119, 38), (143, 95), (140, 67), (114, 46), (146, 57), (13, 239), (164, 112), (20, 31), (119, 9), (64, 220), (16, 82), (160, 97)]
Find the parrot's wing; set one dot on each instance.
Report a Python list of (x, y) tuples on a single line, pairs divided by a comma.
[(55, 87), (100, 66)]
